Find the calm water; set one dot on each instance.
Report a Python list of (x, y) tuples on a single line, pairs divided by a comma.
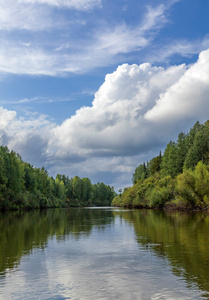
[(104, 254)]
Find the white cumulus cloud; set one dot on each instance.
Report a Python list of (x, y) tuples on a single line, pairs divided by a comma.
[(115, 124), (135, 113), (27, 135), (6, 117), (187, 98)]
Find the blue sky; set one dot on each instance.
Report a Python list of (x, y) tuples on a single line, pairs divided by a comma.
[(95, 87)]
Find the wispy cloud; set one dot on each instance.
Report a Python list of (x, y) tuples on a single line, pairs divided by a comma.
[(17, 59), (16, 15), (26, 44), (154, 17), (104, 45), (71, 4), (75, 55), (39, 15), (36, 100), (124, 39), (34, 15), (184, 48)]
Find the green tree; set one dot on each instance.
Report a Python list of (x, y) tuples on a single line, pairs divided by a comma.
[(169, 165), (59, 189), (29, 178), (140, 173), (77, 191), (87, 189), (155, 164), (182, 150), (199, 151)]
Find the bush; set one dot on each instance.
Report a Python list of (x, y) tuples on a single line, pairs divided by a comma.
[(193, 187)]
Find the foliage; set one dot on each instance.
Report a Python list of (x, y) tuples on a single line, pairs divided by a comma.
[(154, 191), (193, 187), (199, 151), (23, 186), (178, 178), (140, 173), (155, 164)]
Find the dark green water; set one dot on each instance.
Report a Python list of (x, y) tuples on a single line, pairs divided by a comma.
[(104, 253)]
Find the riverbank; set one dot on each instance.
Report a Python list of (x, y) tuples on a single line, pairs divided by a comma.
[(168, 207), (178, 179), (187, 191)]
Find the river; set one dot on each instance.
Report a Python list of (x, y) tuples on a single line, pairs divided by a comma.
[(104, 253)]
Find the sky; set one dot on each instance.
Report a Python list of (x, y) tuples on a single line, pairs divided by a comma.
[(93, 88)]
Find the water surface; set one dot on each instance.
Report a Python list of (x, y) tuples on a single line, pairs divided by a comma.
[(104, 253)]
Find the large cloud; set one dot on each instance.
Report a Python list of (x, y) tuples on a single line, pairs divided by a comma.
[(115, 124), (136, 111), (26, 135), (187, 98), (6, 117)]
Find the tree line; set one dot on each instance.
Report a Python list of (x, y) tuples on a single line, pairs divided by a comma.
[(24, 186), (177, 179)]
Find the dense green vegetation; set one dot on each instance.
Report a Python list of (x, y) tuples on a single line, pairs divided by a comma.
[(177, 179), (23, 186)]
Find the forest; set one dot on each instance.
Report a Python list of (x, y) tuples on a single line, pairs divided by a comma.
[(23, 186), (178, 179)]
